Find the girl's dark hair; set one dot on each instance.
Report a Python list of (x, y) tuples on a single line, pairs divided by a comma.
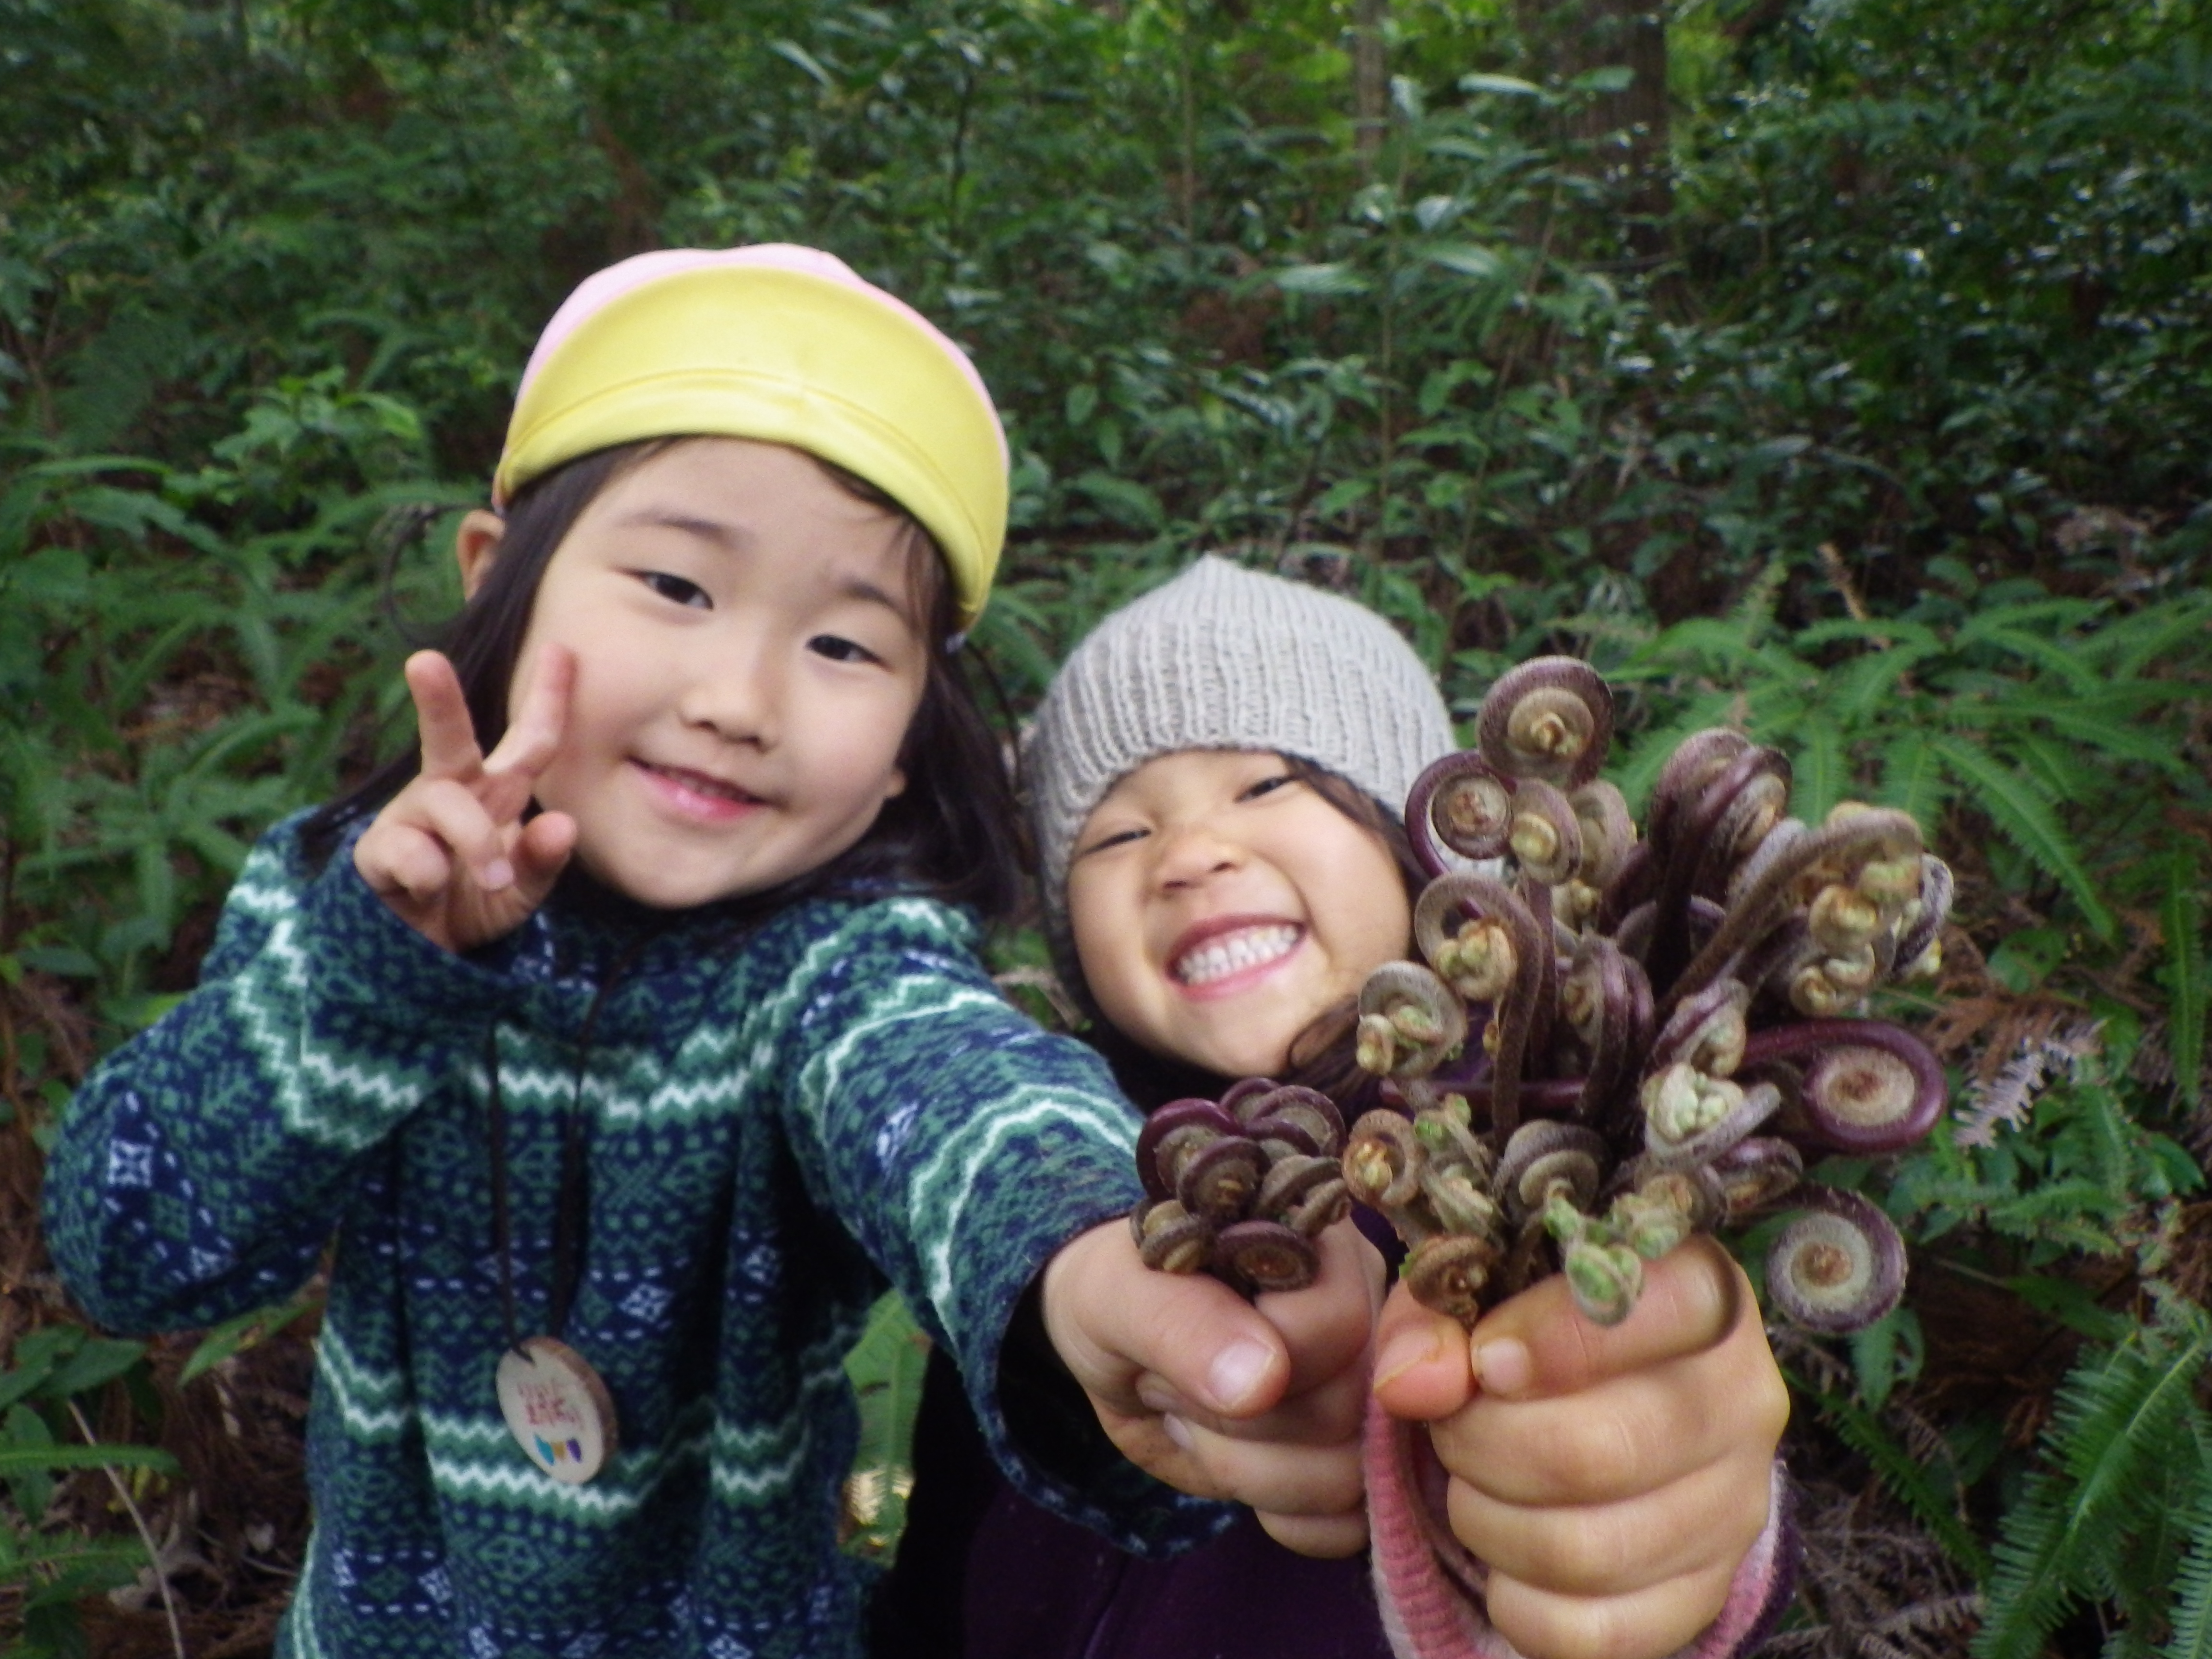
[(952, 833), (1320, 1055)]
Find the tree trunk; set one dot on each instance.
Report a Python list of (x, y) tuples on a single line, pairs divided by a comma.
[(1370, 78), (1628, 128)]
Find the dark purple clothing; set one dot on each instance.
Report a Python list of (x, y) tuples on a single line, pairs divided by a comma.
[(982, 1573)]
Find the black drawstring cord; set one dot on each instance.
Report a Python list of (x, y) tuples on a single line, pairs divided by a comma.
[(495, 1133), (572, 1213)]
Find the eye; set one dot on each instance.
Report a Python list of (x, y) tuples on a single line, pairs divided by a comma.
[(676, 589), (1118, 838), (1268, 786), (838, 649)]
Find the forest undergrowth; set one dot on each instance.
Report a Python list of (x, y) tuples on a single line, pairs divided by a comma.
[(1878, 432)]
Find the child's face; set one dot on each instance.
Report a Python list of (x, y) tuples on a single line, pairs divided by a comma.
[(1219, 903), (748, 660)]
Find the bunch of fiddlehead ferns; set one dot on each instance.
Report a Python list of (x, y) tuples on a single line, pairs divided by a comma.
[(1240, 1188), (1613, 1041), (1609, 1041)]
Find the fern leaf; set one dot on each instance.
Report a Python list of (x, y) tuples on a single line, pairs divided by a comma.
[(1888, 632), (2103, 736), (2027, 1589), (2025, 820), (2181, 918), (2135, 642), (2120, 1415), (2010, 618), (2123, 1429), (2047, 654), (1859, 687), (2055, 769), (1821, 775), (1912, 780), (1905, 1475), (2191, 1637)]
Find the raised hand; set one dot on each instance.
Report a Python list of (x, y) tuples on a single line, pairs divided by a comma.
[(450, 853), (1612, 1477), (1259, 1402)]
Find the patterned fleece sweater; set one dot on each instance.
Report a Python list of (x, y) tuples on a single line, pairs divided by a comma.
[(773, 1131)]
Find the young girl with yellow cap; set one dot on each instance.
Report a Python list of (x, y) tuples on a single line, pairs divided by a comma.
[(629, 1038)]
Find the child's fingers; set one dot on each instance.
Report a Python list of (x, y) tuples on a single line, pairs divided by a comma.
[(533, 735), (1271, 1475), (1659, 1619), (400, 861), (1325, 1330), (1113, 1320), (1709, 1517), (451, 811), (1329, 1325), (447, 734), (1422, 1370), (541, 853), (1628, 1434), (1539, 1343)]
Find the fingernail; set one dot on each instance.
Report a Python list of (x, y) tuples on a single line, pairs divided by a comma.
[(1237, 1370), (497, 874), (1403, 1352), (1504, 1367), (1177, 1431)]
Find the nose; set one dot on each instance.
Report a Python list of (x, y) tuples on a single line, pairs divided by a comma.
[(1191, 853), (734, 689)]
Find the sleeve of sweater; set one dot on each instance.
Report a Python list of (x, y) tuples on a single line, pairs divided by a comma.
[(962, 1146), (200, 1168)]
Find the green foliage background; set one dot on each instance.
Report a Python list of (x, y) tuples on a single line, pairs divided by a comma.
[(1886, 441)]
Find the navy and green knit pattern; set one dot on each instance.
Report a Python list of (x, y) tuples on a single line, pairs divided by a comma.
[(772, 1130)]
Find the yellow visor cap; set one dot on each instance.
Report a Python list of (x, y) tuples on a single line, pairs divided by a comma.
[(783, 345)]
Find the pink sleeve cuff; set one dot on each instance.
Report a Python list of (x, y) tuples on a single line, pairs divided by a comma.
[(1429, 1588)]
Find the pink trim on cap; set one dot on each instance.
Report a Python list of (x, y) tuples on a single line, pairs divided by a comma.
[(601, 287)]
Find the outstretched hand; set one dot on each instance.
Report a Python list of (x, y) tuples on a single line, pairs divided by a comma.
[(450, 853), (1257, 1402), (1611, 1479)]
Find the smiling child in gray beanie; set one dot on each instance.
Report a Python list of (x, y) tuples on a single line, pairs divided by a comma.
[(1214, 778)]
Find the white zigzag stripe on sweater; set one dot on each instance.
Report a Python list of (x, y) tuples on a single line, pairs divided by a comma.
[(915, 998), (476, 1456), (261, 889), (703, 1080), (741, 1469), (984, 1139), (352, 1386), (299, 1622), (519, 1482), (306, 1081)]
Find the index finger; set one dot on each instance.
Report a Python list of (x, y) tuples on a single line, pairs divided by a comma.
[(1539, 1344), (448, 733), (1328, 1325), (1115, 1322)]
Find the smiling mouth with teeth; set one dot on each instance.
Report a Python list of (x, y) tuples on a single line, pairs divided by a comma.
[(1228, 953), (699, 783)]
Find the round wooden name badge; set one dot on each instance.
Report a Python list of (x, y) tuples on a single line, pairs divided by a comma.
[(557, 1409)]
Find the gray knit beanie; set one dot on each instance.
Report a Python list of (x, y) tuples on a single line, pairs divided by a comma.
[(1224, 658)]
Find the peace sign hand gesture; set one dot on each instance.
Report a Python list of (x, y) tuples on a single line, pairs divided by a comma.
[(450, 853)]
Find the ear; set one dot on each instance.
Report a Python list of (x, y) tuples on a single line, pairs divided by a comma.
[(897, 783), (476, 544)]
